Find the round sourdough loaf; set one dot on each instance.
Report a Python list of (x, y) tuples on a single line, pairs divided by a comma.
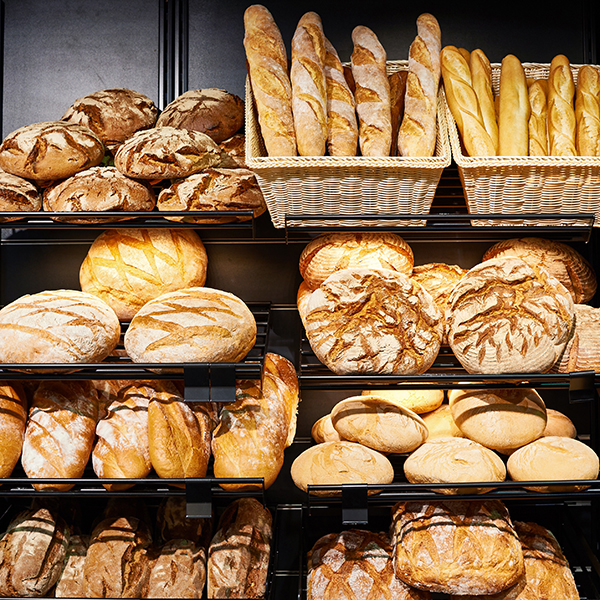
[(129, 267), (373, 321), (560, 260), (506, 316), (331, 252), (336, 463), (50, 150), (440, 423), (195, 324), (214, 189), (582, 352), (553, 458), (215, 112), (98, 189), (454, 460), (58, 326), (419, 401), (559, 424), (166, 152), (17, 194), (378, 423), (113, 115), (501, 419)]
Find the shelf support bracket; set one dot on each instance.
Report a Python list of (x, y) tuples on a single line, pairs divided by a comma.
[(582, 386), (355, 509), (198, 496)]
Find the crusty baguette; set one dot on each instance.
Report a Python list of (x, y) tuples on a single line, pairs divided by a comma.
[(538, 135), (587, 111), (397, 81), (372, 93), (465, 53), (514, 110), (481, 76), (561, 113), (463, 103), (342, 137), (309, 90), (268, 70)]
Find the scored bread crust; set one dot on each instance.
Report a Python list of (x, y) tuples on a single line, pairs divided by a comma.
[(17, 194), (13, 416), (70, 581), (582, 352), (538, 135), (562, 125), (506, 316), (587, 111)]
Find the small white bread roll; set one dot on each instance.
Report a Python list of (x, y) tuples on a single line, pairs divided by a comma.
[(553, 458), (454, 460), (378, 423), (419, 401)]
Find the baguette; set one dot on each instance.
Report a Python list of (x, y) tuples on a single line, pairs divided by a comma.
[(481, 76), (342, 137), (466, 54), (514, 110), (587, 111), (417, 133), (397, 92), (464, 104), (309, 90), (372, 93), (268, 71), (538, 135), (561, 113)]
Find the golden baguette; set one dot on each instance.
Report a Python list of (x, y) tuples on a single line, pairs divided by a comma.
[(465, 53), (514, 110), (481, 76), (587, 111), (538, 135), (463, 103), (561, 113)]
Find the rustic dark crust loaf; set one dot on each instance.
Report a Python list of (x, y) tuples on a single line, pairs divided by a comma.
[(235, 147), (356, 565), (17, 194), (98, 189), (456, 547), (173, 524), (50, 150), (70, 581), (214, 189), (239, 553)]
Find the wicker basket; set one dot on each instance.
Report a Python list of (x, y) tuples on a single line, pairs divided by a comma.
[(527, 184), (303, 191)]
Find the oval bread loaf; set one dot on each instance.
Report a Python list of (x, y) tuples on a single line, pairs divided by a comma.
[(324, 431), (440, 423), (13, 416), (195, 324), (559, 424), (18, 194)]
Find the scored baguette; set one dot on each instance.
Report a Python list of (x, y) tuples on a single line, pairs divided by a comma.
[(538, 135), (514, 110), (587, 111), (561, 113), (481, 77)]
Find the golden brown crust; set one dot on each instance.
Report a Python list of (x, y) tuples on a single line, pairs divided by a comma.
[(481, 77), (13, 416), (70, 582), (587, 111), (538, 135), (397, 92), (17, 194), (582, 350), (559, 424), (562, 124), (440, 423), (418, 401), (235, 146), (514, 109)]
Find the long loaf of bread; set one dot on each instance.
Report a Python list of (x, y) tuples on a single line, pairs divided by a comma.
[(587, 111), (268, 70), (481, 76), (538, 135), (514, 110), (464, 104), (561, 112), (309, 90), (417, 133), (372, 93)]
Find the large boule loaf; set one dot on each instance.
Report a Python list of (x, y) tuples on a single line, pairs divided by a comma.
[(98, 189), (336, 463), (13, 416), (501, 419), (195, 324), (58, 326), (50, 150), (419, 401), (454, 460), (560, 260), (582, 352), (331, 252), (373, 321), (17, 194), (553, 458), (378, 423), (129, 267), (506, 316), (113, 115)]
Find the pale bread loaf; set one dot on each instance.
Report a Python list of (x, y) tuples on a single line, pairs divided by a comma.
[(337, 463), (70, 581), (454, 460), (50, 150), (500, 419), (559, 259), (439, 423), (378, 423), (514, 109), (456, 547), (582, 351), (18, 194), (267, 63), (113, 115), (13, 416), (559, 424), (537, 126), (373, 321), (302, 297), (562, 125), (58, 326), (324, 431), (331, 252), (587, 111), (195, 324), (481, 78), (372, 93), (553, 458), (506, 316), (418, 401), (129, 267), (60, 432)]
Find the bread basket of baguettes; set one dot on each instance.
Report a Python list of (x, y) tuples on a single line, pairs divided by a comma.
[(327, 148), (541, 155)]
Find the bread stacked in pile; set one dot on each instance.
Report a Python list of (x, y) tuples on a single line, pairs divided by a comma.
[(126, 553), (319, 106), (112, 151)]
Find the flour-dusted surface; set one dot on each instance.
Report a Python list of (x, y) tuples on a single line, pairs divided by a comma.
[(70, 582), (582, 352)]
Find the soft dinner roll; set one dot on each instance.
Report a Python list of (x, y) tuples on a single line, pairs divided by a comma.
[(419, 401)]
